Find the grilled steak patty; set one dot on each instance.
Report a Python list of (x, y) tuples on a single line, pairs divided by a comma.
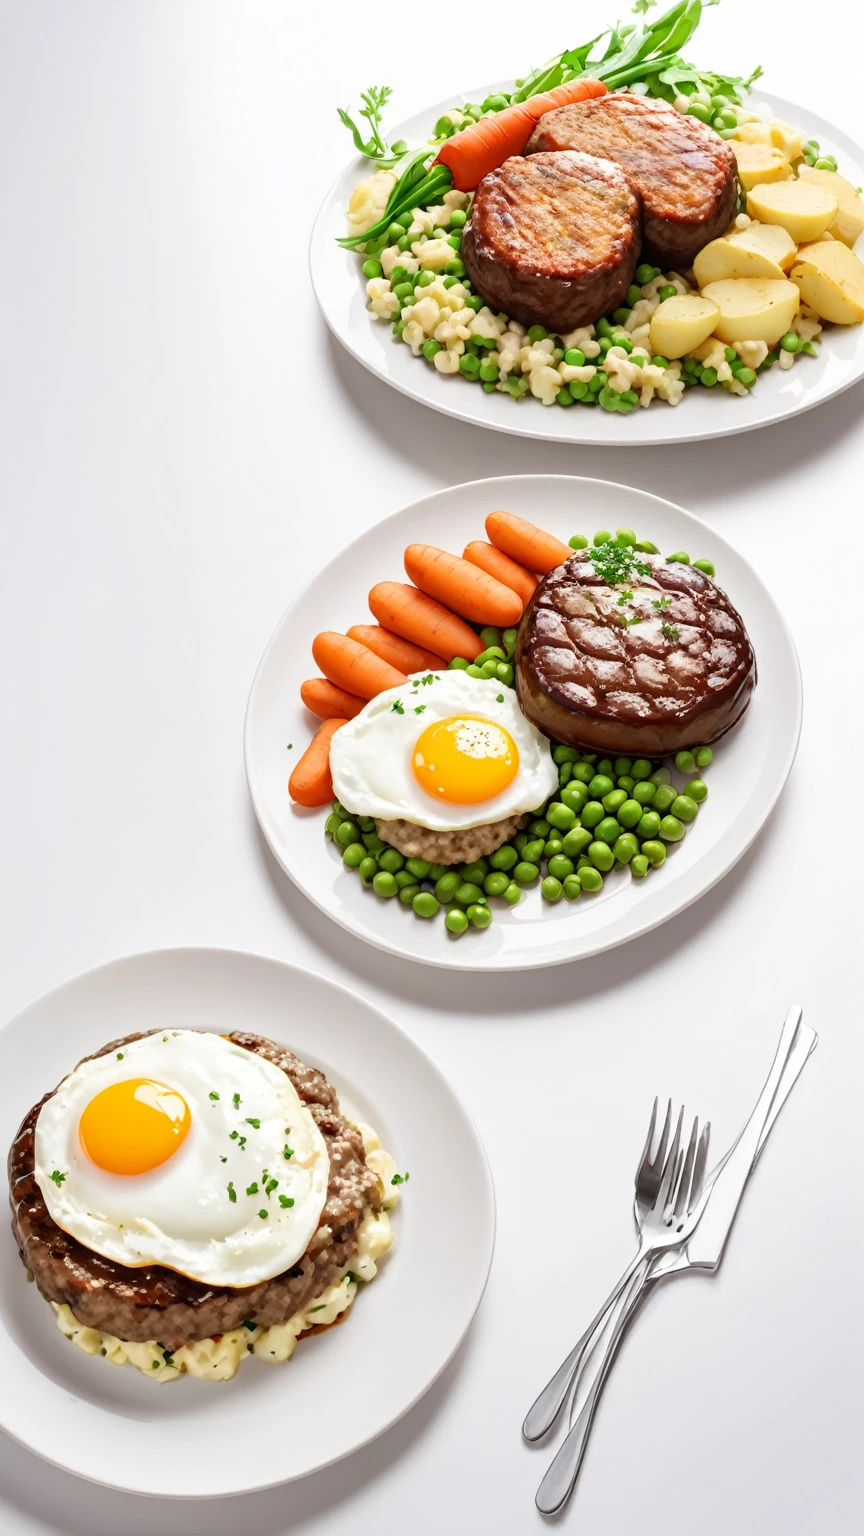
[(553, 240), (157, 1303), (684, 173), (679, 677)]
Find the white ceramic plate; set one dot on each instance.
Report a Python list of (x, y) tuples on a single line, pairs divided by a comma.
[(759, 753), (270, 1424), (340, 291)]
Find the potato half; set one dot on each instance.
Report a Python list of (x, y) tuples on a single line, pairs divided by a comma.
[(831, 280), (802, 208), (786, 139), (760, 163), (849, 223), (769, 240), (753, 308), (721, 259), (679, 324)]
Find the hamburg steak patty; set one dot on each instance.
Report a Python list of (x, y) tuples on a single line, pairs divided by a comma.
[(633, 679), (152, 1302), (685, 174), (553, 240)]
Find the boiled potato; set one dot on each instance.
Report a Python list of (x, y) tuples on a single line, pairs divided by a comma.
[(759, 163), (721, 259), (678, 325), (786, 139), (831, 280), (756, 132), (849, 223), (753, 308), (802, 208), (769, 240)]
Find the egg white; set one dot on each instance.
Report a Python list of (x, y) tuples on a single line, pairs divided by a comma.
[(371, 755), (180, 1214)]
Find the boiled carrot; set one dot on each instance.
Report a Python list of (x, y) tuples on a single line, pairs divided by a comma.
[(461, 586), (421, 620), (310, 783), (499, 565), (327, 701), (354, 667), (533, 548), (400, 653), (473, 153)]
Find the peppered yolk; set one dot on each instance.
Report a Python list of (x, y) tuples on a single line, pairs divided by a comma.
[(465, 759), (133, 1126)]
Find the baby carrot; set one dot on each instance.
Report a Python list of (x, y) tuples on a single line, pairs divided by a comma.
[(505, 570), (399, 653), (353, 667), (310, 783), (470, 592), (532, 547), (329, 702), (473, 153), (417, 618)]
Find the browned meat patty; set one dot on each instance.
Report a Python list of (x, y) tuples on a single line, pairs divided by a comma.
[(679, 677), (685, 174), (553, 240), (156, 1303)]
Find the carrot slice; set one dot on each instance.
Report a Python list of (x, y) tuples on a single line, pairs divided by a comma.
[(418, 618), (505, 570), (477, 150), (532, 547), (400, 653), (461, 586), (353, 667), (310, 783), (328, 702)]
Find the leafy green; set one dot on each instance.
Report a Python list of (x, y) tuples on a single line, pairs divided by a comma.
[(375, 147)]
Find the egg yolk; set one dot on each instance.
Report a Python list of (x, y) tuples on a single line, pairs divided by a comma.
[(133, 1126), (465, 759)]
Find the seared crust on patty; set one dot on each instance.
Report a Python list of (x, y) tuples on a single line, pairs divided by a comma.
[(553, 240), (456, 847), (157, 1303), (684, 173)]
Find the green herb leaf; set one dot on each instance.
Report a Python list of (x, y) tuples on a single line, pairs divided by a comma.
[(287, 1153), (119, 1055), (400, 1178), (248, 1323), (320, 1308), (263, 1215), (255, 1124), (212, 1095), (286, 1202), (232, 1193), (419, 708), (252, 1189), (57, 1177), (669, 631), (236, 1101), (397, 707)]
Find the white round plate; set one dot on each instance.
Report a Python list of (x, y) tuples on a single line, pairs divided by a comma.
[(194, 1439), (759, 753), (340, 291)]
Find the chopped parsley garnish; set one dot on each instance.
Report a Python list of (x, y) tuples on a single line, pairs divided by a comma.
[(252, 1189), (400, 1178), (289, 746), (319, 1308), (626, 597), (397, 707), (248, 1323), (164, 1038), (350, 1276), (429, 678), (419, 709), (223, 1159), (232, 1193), (167, 1357), (57, 1177), (212, 1095), (119, 1055), (669, 631), (500, 698), (635, 618), (255, 1124), (661, 603), (287, 1153), (156, 1364), (270, 1186), (263, 1215), (615, 563), (234, 1135), (286, 1202), (236, 1101)]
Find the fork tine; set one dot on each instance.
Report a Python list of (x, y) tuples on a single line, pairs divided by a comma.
[(671, 1170), (659, 1158), (700, 1166), (645, 1159), (682, 1194)]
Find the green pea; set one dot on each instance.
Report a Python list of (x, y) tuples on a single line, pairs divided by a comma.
[(601, 537), (455, 268), (578, 541), (644, 274), (431, 348), (705, 566), (474, 301), (332, 824), (354, 855), (424, 280), (560, 816), (508, 639), (583, 863), (532, 853), (607, 830), (448, 885), (391, 860), (456, 921), (384, 884), (455, 240), (629, 814), (622, 765), (654, 852), (347, 832), (573, 794), (591, 879), (469, 366), (672, 829), (402, 878), (366, 823), (697, 109), (825, 163), (458, 664), (648, 824), (668, 292), (614, 801), (372, 269), (658, 362), (572, 886), (708, 377), (576, 841), (661, 775), (703, 757), (664, 797), (408, 892), (684, 808), (479, 915), (552, 889), (645, 547), (641, 770), (419, 868), (372, 843), (604, 766), (601, 856), (644, 792), (680, 557), (685, 762), (565, 773), (561, 754), (467, 893), (560, 866), (525, 873), (504, 858), (436, 871), (696, 790), (458, 218), (477, 871), (601, 785), (425, 904), (583, 772), (367, 869), (592, 814), (639, 866), (496, 883), (512, 895), (746, 376), (519, 841), (540, 828), (552, 846), (625, 847), (634, 294)]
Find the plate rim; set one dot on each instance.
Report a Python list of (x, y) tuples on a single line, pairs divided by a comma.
[(192, 953), (500, 963), (471, 417)]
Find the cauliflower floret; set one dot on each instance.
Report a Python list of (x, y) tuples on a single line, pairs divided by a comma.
[(369, 202), (440, 216), (621, 371), (785, 359), (545, 383), (571, 374), (413, 334), (486, 324), (421, 223), (453, 332), (538, 354), (426, 313), (582, 338), (670, 385), (393, 257), (447, 361), (640, 314), (751, 353), (455, 199), (435, 254), (807, 324), (713, 354), (641, 338), (384, 304)]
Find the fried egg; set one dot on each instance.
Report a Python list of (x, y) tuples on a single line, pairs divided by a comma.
[(185, 1150), (445, 751)]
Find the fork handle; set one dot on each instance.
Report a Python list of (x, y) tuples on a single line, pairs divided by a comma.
[(560, 1478), (545, 1410)]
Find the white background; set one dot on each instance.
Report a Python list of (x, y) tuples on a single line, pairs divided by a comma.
[(182, 445)]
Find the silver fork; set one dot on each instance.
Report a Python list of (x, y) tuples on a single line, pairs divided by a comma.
[(670, 1217), (649, 1176)]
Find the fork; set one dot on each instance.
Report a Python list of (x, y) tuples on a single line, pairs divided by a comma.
[(669, 1219), (649, 1177)]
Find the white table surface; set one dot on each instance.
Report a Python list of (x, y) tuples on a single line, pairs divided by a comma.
[(182, 444)]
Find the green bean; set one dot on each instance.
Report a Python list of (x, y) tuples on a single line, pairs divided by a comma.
[(705, 566), (654, 852), (456, 920), (576, 841), (391, 860), (384, 884), (354, 855), (512, 895), (703, 757), (473, 671), (367, 869), (607, 830), (625, 847), (491, 635), (639, 866), (685, 761), (591, 879), (672, 829), (525, 873), (447, 885), (664, 798), (697, 790), (648, 824), (629, 814), (508, 640), (644, 792), (601, 856), (458, 664), (504, 673), (479, 915)]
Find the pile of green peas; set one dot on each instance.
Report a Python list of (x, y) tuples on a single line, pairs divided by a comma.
[(626, 537)]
